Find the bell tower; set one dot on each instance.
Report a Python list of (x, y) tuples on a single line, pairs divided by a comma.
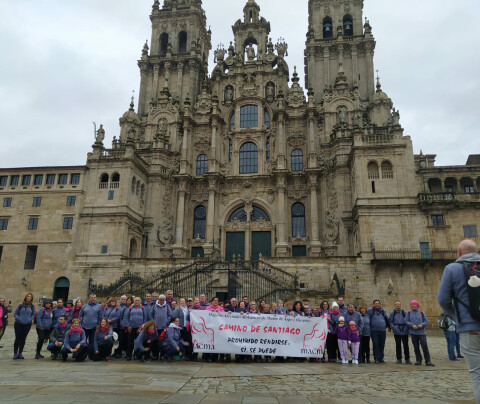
[(177, 59), (339, 41)]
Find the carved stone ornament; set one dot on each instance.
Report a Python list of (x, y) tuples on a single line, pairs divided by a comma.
[(165, 231), (249, 87), (326, 165), (296, 139), (332, 227), (202, 143)]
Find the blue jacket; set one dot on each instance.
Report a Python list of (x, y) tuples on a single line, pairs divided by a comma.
[(355, 316), (173, 338), (24, 314), (72, 339), (184, 319), (56, 313), (343, 309), (148, 307), (90, 315), (454, 286), (378, 319), (100, 338), (398, 322), (161, 315), (416, 317), (136, 316), (282, 311), (366, 332), (111, 313), (122, 316), (44, 318), (142, 338)]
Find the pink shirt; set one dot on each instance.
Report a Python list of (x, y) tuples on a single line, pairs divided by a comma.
[(1, 316), (210, 308)]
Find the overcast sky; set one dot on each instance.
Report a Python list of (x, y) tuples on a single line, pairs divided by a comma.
[(64, 64)]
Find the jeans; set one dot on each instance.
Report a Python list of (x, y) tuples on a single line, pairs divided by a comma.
[(42, 336), (451, 338), (418, 340), (399, 339), (21, 332), (131, 341), (378, 341), (90, 336), (470, 344), (457, 343)]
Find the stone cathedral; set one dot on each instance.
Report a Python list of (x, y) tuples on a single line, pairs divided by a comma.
[(241, 181)]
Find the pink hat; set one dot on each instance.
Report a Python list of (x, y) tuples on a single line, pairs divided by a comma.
[(415, 303), (352, 324)]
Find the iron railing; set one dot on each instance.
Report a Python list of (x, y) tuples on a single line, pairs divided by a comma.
[(406, 255)]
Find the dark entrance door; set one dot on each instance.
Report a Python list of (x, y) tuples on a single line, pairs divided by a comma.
[(261, 244), (235, 245), (61, 288)]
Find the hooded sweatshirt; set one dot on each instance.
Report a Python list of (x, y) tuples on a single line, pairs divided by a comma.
[(454, 285), (341, 332), (417, 317), (73, 338), (24, 313), (44, 318), (100, 337), (56, 313), (378, 319), (161, 314), (142, 339), (173, 338), (137, 316), (90, 315), (58, 333), (111, 313)]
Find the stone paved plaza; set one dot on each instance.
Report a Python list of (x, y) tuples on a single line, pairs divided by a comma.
[(42, 381)]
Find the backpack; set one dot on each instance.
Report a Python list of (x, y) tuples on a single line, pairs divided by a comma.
[(473, 306), (443, 321), (422, 314), (162, 335)]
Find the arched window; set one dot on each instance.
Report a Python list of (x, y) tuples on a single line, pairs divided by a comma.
[(372, 169), (259, 213), (297, 160), (137, 190), (182, 42), (248, 158), (387, 169), (239, 214), (249, 116), (267, 119), (199, 222), (202, 164), (327, 27), (298, 220), (232, 121), (347, 25), (116, 177), (133, 248), (104, 178), (163, 44), (134, 184), (142, 191)]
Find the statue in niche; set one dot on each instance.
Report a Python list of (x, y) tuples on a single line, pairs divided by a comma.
[(342, 115), (100, 135), (162, 127), (270, 90), (357, 119), (250, 52), (228, 94), (332, 224), (165, 231)]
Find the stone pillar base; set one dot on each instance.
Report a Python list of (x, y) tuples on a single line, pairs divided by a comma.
[(281, 250), (315, 249), (179, 251)]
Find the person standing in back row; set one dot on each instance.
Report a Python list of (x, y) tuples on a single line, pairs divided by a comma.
[(378, 326), (90, 316), (453, 297), (417, 321), (4, 310), (24, 315), (398, 324)]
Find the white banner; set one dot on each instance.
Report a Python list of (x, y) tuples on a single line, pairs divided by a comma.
[(248, 334)]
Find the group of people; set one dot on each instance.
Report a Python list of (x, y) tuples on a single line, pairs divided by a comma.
[(159, 327)]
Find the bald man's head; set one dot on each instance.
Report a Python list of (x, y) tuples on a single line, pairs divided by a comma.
[(466, 247)]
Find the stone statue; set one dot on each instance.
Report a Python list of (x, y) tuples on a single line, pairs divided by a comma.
[(228, 94), (100, 135), (357, 119), (342, 115), (251, 52), (396, 117), (114, 143), (270, 91)]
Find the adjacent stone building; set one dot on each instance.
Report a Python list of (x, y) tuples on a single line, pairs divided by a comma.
[(282, 190)]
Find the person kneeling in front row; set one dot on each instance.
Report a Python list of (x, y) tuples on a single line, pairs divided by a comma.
[(173, 341), (103, 342), (75, 343), (57, 336), (146, 343)]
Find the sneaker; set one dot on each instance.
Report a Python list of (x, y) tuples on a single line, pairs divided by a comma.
[(399, 362), (15, 356), (455, 360), (418, 363), (458, 356), (20, 356), (430, 364), (355, 361), (344, 361), (408, 362)]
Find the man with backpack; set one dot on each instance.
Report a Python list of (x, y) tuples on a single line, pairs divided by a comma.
[(398, 324), (458, 294)]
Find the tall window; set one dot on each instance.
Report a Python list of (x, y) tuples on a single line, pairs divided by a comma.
[(387, 169), (7, 202), (248, 158), (37, 201), (348, 25), (26, 180), (14, 179), (62, 179), (202, 164), (199, 222), (232, 121), (373, 172), (30, 257), (297, 160), (67, 223), (3, 180), (298, 220), (249, 116), (75, 179), (182, 42), (267, 119), (163, 43), (71, 200), (38, 179), (327, 27), (3, 224), (33, 223), (50, 179)]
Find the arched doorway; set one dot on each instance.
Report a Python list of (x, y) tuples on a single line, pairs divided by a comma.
[(61, 288)]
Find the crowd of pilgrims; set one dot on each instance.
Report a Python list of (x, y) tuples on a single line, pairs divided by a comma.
[(159, 328)]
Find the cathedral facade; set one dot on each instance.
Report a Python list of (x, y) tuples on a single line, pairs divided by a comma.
[(317, 186)]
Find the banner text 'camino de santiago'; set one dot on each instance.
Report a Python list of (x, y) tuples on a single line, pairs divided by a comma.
[(248, 334)]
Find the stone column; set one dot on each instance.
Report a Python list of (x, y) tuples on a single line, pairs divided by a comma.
[(282, 146), (180, 215), (180, 80), (370, 72), (312, 155), (315, 245), (282, 246), (156, 70), (208, 248), (326, 64), (143, 89), (354, 65), (212, 161), (184, 158)]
